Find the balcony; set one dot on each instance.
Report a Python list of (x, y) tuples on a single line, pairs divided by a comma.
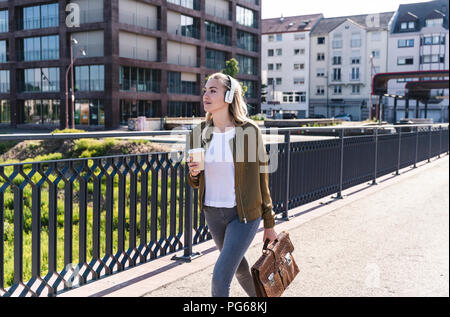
[(140, 20)]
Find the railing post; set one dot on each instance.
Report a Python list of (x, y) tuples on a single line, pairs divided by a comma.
[(440, 141), (374, 182), (429, 145), (417, 145), (287, 141), (341, 172), (188, 255), (399, 150)]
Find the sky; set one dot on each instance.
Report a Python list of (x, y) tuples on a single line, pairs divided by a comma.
[(329, 8)]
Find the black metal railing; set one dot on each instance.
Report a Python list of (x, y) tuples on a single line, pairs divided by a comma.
[(68, 222)]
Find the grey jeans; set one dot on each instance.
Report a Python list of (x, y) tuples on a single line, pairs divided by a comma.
[(232, 238)]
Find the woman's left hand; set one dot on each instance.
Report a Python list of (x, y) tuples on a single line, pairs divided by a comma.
[(269, 233)]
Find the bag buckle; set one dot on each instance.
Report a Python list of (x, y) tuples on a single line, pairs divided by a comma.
[(287, 258), (271, 279)]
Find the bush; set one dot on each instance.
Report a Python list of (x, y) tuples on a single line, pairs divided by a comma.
[(257, 117), (67, 131), (93, 148)]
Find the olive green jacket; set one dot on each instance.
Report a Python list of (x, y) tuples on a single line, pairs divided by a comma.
[(250, 158)]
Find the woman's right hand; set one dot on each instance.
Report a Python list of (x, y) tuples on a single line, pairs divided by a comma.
[(192, 167)]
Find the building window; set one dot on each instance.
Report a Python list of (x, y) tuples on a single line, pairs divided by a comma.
[(270, 81), (138, 108), (321, 40), (190, 4), (405, 61), (299, 81), (39, 48), (90, 78), (336, 74), (355, 73), (279, 66), (217, 33), (182, 83), (247, 65), (279, 81), (279, 51), (434, 22), (188, 27), (215, 59), (299, 66), (434, 58), (41, 111), (246, 41), (299, 51), (5, 111), (356, 40), (433, 40), (299, 37), (376, 36), (4, 56), (355, 60), (37, 17), (320, 56), (38, 80), (337, 90), (183, 109), (279, 37), (337, 41), (271, 38), (251, 88), (270, 66), (376, 54), (270, 52), (337, 60), (4, 21), (139, 79), (245, 17), (406, 43), (355, 89), (320, 90), (90, 112), (4, 81), (320, 72)]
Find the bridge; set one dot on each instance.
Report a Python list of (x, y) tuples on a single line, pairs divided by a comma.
[(153, 198)]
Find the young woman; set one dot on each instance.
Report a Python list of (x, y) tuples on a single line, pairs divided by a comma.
[(233, 188)]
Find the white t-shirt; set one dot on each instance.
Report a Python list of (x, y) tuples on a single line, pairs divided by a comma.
[(219, 171)]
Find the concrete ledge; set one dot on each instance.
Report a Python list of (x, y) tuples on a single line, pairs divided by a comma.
[(158, 273)]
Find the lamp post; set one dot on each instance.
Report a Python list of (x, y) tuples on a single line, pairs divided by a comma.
[(72, 60), (371, 84)]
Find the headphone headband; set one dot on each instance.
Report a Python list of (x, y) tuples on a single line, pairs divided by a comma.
[(229, 96)]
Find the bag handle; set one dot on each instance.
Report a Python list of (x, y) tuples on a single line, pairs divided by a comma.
[(266, 244)]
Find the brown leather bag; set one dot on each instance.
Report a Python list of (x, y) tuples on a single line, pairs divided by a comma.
[(276, 268)]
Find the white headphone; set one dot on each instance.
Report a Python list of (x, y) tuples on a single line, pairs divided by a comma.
[(229, 96)]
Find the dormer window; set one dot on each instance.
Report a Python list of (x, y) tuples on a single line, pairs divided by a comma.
[(407, 25), (434, 22)]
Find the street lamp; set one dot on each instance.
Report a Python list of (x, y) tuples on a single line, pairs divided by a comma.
[(72, 60)]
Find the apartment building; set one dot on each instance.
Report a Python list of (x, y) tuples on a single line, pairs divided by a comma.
[(131, 58), (345, 52), (418, 41), (285, 64)]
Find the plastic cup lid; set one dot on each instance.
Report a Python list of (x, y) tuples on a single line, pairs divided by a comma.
[(197, 150)]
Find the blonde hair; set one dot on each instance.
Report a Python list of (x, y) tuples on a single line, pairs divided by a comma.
[(237, 109)]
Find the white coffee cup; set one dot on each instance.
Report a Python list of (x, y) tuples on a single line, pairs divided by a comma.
[(198, 156)]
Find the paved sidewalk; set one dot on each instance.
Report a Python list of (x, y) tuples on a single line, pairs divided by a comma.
[(390, 239)]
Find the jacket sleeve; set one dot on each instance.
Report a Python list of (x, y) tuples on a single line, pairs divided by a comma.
[(192, 180), (267, 212)]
